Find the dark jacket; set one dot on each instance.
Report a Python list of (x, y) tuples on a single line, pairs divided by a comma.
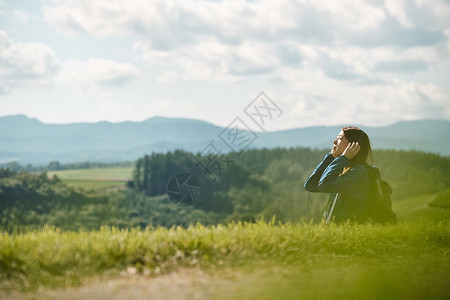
[(352, 187)]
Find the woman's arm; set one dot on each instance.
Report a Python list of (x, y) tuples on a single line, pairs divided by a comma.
[(311, 183), (333, 181)]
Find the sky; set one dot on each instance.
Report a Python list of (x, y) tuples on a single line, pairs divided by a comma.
[(368, 63)]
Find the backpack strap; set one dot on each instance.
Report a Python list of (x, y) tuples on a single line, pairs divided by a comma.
[(330, 212)]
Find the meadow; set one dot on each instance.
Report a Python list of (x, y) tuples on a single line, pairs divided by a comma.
[(263, 260), (95, 179), (272, 260)]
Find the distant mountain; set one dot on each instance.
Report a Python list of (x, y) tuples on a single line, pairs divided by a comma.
[(27, 140)]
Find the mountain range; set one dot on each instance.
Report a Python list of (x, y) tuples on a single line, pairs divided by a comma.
[(26, 140)]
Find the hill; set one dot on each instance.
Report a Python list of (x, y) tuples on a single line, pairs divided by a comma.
[(27, 140)]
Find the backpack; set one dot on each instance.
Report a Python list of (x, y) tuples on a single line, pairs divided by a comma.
[(380, 199)]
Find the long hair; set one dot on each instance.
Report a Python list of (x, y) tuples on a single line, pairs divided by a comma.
[(355, 134)]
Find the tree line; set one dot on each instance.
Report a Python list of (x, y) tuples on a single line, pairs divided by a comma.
[(255, 183)]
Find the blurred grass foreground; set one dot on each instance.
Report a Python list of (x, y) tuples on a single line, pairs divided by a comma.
[(276, 261)]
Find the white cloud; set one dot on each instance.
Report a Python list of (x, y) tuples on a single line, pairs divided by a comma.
[(364, 61), (174, 108), (411, 101), (25, 64), (370, 104), (209, 59), (34, 64), (97, 73), (168, 77), (169, 24), (115, 107), (228, 40), (352, 15), (165, 104), (21, 16), (396, 8)]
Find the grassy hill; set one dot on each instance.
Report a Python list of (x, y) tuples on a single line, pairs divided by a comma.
[(97, 179), (422, 208)]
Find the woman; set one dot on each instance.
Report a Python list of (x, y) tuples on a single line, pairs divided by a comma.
[(342, 174)]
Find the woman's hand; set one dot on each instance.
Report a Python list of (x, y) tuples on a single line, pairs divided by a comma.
[(351, 150)]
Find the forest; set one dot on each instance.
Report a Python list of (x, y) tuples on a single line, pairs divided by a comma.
[(245, 186)]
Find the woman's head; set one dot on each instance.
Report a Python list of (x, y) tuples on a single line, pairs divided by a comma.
[(353, 134)]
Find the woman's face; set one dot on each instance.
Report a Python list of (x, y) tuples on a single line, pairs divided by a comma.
[(339, 144)]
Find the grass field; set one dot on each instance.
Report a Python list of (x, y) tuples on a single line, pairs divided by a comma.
[(97, 179), (274, 261), (418, 208), (115, 173), (266, 260)]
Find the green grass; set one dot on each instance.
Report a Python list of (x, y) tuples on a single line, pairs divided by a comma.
[(283, 261), (116, 173), (97, 179), (442, 200), (96, 185), (419, 208), (270, 261)]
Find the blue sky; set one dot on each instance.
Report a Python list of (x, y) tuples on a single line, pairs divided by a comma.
[(370, 63)]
